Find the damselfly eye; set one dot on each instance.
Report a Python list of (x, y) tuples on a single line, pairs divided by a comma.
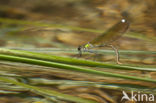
[(79, 48)]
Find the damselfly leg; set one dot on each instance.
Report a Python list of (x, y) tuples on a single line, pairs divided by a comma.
[(82, 49), (108, 45), (116, 52)]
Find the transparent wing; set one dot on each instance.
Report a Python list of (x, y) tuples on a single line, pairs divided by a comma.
[(112, 34)]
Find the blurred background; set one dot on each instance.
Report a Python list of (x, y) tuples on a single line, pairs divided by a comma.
[(66, 24), (93, 14), (59, 19)]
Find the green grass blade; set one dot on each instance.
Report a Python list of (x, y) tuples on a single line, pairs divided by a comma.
[(47, 92), (40, 24), (47, 50), (70, 67), (67, 60), (113, 86)]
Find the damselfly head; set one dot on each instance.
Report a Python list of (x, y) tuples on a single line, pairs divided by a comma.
[(80, 50), (88, 45)]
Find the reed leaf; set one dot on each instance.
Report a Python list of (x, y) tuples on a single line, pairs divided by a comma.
[(41, 24), (70, 67), (45, 92), (67, 60)]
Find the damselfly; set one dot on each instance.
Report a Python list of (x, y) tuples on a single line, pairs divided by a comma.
[(107, 38)]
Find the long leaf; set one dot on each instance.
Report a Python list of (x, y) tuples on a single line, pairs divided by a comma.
[(67, 60), (70, 67)]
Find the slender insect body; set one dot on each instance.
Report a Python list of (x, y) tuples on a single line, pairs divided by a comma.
[(106, 38)]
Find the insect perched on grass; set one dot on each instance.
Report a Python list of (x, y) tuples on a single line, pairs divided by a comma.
[(106, 38)]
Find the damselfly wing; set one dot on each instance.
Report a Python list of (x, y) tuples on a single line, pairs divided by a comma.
[(106, 38), (112, 34)]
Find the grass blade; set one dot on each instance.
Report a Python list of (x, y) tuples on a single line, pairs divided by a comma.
[(67, 60), (72, 68), (48, 92)]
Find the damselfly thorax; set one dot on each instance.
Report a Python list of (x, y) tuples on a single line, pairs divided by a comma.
[(106, 38)]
